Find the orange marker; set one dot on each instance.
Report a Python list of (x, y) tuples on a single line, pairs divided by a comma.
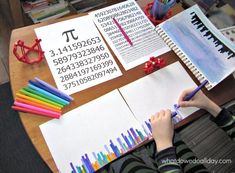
[(37, 104), (37, 101)]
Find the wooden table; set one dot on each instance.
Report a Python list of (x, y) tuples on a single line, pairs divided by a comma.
[(20, 73)]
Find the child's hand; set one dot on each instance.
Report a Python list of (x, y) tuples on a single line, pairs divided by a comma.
[(200, 100), (162, 129)]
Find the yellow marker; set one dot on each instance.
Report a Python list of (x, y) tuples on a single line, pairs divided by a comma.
[(37, 101)]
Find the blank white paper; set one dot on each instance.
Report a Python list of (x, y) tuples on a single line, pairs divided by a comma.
[(159, 90)]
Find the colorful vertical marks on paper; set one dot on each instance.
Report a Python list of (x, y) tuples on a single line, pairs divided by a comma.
[(114, 149)]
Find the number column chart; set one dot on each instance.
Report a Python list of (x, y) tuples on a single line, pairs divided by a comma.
[(129, 33), (76, 54)]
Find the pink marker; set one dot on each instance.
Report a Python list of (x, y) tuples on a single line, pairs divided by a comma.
[(36, 110), (123, 32)]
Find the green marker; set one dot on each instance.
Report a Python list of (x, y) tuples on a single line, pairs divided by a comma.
[(40, 98), (43, 95)]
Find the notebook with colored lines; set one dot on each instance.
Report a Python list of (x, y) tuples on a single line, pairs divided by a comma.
[(200, 45), (98, 132)]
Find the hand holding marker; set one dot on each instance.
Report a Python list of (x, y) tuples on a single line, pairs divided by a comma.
[(189, 97)]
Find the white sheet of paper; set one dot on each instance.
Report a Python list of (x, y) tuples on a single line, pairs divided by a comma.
[(76, 54), (159, 90), (137, 26), (87, 128)]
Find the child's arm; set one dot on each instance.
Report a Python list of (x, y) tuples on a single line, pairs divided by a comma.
[(163, 131), (221, 117), (226, 121)]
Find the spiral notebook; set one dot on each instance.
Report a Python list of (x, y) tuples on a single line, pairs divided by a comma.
[(200, 45)]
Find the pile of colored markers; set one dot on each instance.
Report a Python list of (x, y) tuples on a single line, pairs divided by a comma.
[(41, 98)]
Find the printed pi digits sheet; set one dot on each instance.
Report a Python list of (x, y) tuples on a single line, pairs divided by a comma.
[(76, 54), (129, 33)]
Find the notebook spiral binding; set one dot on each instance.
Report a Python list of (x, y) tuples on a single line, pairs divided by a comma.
[(182, 56)]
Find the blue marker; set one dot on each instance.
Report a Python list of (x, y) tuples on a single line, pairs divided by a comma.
[(39, 85), (50, 87), (48, 94), (160, 9), (174, 113), (190, 96)]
